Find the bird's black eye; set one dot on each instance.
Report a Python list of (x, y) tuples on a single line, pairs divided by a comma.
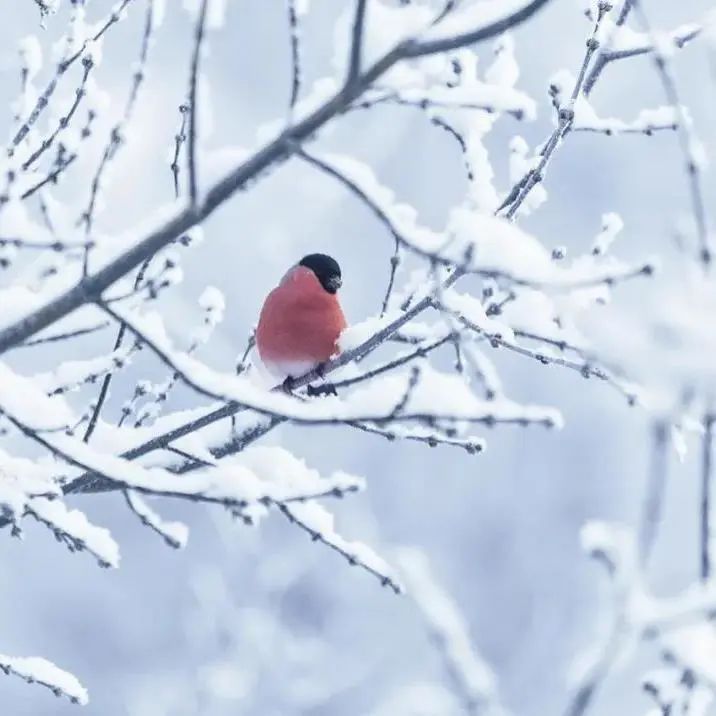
[(326, 268)]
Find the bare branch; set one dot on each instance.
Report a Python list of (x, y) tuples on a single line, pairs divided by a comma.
[(522, 189), (55, 338), (192, 102), (64, 121), (706, 472), (354, 63), (294, 34)]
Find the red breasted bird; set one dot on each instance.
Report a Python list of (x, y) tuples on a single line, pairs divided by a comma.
[(301, 318)]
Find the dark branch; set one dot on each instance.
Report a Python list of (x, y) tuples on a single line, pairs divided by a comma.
[(193, 80)]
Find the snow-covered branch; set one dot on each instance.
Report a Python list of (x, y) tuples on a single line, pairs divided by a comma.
[(36, 670)]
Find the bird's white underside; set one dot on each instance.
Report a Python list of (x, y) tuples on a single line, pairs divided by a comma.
[(283, 369)]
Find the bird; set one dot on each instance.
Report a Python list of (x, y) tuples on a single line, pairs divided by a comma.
[(301, 319)]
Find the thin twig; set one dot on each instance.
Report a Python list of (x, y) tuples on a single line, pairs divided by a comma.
[(294, 34), (113, 146), (602, 60), (51, 178), (654, 497), (686, 139), (62, 67), (352, 559), (524, 187), (193, 92), (179, 139), (706, 470), (65, 336), (64, 121)]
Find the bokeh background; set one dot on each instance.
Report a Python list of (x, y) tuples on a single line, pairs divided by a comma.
[(260, 620)]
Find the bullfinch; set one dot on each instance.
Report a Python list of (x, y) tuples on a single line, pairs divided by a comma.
[(301, 318)]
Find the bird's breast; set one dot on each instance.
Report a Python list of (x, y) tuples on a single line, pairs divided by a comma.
[(299, 327)]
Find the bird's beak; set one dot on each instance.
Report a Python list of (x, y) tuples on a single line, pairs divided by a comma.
[(334, 283)]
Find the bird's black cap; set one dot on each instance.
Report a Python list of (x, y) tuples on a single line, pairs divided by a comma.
[(326, 268)]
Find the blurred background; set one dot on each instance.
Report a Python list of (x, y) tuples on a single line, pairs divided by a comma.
[(261, 620)]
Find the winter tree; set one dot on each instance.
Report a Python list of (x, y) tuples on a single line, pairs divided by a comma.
[(518, 194)]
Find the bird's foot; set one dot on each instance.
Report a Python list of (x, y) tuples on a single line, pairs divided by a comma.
[(323, 389)]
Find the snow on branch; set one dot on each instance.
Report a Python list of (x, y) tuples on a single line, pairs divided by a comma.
[(473, 242), (175, 534), (518, 292), (433, 398), (472, 679), (36, 670), (318, 523), (169, 228), (73, 529), (691, 148)]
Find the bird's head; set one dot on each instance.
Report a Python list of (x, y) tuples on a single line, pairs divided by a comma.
[(326, 269)]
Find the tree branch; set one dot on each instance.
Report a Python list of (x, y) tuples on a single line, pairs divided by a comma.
[(90, 288), (192, 148), (354, 63)]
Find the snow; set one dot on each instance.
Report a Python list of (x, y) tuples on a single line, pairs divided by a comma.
[(229, 482), (472, 309), (36, 670), (358, 333), (628, 41), (521, 163), (160, 11), (472, 239), (218, 162), (31, 54), (20, 481), (303, 7), (441, 396), (612, 226), (695, 646), (23, 399), (70, 375), (519, 289), (212, 301), (647, 120), (662, 341), (474, 96), (613, 543)]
